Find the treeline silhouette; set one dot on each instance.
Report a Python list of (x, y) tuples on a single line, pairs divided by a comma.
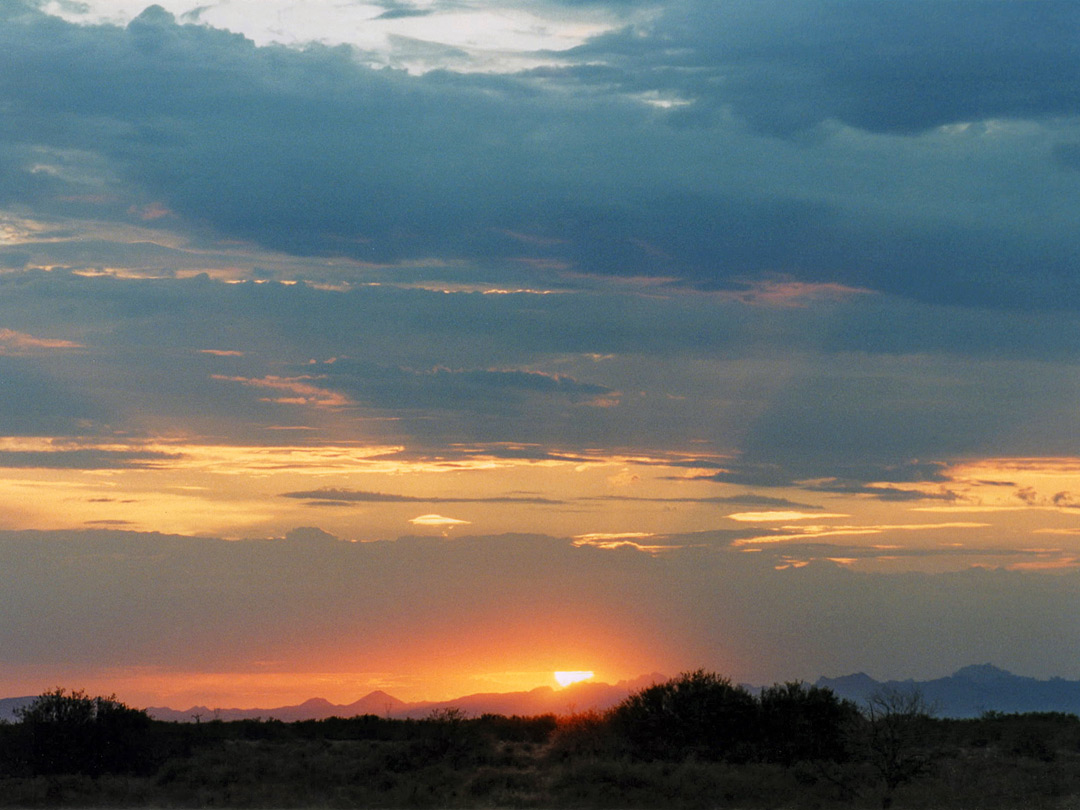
[(694, 741)]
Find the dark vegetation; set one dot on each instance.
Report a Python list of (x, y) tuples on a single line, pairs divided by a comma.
[(694, 741)]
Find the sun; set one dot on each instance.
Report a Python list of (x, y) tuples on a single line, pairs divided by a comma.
[(567, 678)]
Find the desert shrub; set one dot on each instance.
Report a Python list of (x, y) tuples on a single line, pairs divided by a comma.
[(804, 723), (698, 713), (64, 732)]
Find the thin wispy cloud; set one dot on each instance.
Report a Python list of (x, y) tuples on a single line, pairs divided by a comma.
[(14, 343), (324, 496), (796, 533), (437, 521)]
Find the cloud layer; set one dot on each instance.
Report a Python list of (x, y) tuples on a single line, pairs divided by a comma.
[(768, 305), (837, 142)]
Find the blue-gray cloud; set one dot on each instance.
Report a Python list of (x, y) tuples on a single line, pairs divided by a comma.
[(848, 391), (787, 65), (818, 290), (309, 152), (474, 389), (34, 403)]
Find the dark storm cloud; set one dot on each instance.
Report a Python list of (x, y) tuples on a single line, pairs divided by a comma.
[(884, 493), (470, 368), (1067, 155), (893, 420), (608, 4), (483, 389), (825, 469), (902, 67), (308, 152), (866, 295), (398, 13), (34, 403)]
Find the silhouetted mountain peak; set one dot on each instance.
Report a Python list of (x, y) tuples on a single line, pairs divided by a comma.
[(858, 683), (971, 691), (377, 702), (983, 673), (379, 694)]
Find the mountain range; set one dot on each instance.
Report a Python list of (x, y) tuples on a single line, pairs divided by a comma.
[(968, 692), (577, 697), (971, 691)]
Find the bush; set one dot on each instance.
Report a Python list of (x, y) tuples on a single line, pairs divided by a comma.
[(697, 714), (72, 733), (802, 723)]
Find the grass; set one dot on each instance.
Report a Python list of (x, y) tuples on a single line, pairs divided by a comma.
[(299, 772)]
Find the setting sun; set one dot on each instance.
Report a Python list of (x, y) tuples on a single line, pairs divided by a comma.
[(567, 678)]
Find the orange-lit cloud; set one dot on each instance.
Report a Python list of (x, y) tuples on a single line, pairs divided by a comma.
[(436, 520), (812, 532), (303, 391), (17, 343), (617, 540), (790, 293), (765, 517), (151, 211)]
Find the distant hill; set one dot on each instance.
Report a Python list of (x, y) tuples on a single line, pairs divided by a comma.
[(578, 697), (377, 702), (968, 692), (543, 700), (971, 691)]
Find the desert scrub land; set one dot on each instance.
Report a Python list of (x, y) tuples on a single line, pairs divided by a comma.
[(693, 742)]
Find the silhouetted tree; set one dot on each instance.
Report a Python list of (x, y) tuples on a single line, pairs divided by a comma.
[(699, 713), (70, 732), (804, 723), (895, 722)]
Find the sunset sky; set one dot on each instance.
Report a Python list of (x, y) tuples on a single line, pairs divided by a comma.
[(434, 346)]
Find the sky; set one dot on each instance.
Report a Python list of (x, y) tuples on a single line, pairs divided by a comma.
[(434, 346)]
